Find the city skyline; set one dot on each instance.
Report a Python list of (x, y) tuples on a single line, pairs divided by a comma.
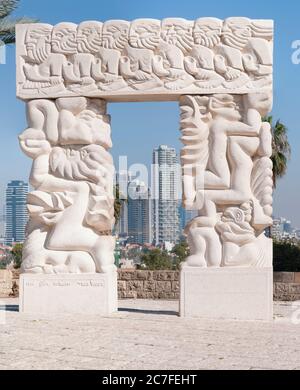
[(137, 219)]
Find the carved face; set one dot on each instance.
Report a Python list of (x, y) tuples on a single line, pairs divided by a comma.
[(235, 225), (89, 37), (64, 38), (37, 42), (178, 32), (207, 32), (225, 106), (144, 33), (239, 215), (236, 32), (262, 29), (115, 34)]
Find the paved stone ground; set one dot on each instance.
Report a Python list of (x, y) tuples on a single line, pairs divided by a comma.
[(147, 335)]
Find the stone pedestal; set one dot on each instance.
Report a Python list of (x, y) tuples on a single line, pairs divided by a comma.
[(227, 293), (69, 293)]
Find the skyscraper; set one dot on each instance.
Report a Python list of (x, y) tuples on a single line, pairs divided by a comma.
[(139, 213), (165, 195), (16, 211), (123, 179)]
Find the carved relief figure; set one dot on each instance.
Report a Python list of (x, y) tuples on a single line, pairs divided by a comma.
[(177, 40), (42, 69), (140, 67), (72, 206), (86, 67), (64, 47), (201, 60), (245, 50), (238, 147), (114, 40), (168, 56), (252, 39)]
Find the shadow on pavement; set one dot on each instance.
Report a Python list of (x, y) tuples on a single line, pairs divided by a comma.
[(145, 311), (9, 307)]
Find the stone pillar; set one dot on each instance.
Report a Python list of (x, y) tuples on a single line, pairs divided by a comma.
[(68, 256), (227, 177)]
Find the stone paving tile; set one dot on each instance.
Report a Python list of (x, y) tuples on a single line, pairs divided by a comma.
[(149, 335)]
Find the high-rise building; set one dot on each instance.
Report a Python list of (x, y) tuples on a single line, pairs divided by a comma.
[(2, 227), (165, 195), (16, 211), (123, 178), (139, 213)]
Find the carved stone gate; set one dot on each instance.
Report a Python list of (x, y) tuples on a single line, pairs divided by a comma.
[(220, 72)]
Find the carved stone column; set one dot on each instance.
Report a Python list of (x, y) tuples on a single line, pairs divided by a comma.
[(71, 208), (227, 178)]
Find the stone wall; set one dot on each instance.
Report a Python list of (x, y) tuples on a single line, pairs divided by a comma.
[(9, 283), (5, 283), (148, 284), (286, 286), (160, 284), (165, 285)]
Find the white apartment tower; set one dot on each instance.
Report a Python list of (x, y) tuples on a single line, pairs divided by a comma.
[(165, 195), (139, 213), (16, 211)]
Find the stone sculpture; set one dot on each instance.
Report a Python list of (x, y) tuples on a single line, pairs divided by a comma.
[(227, 176), (72, 206), (221, 74), (170, 57)]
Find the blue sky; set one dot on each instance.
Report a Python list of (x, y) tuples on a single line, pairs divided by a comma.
[(139, 127)]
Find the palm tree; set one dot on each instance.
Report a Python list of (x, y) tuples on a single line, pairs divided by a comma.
[(8, 23), (118, 204), (281, 149)]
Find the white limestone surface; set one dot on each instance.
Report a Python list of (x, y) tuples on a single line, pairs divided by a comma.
[(146, 59), (147, 335), (227, 293), (85, 293)]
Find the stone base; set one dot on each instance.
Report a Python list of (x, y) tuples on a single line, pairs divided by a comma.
[(227, 293), (69, 293)]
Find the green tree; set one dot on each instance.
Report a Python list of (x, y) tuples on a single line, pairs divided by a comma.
[(17, 255), (119, 202), (281, 150), (180, 252), (286, 257), (8, 23), (157, 259)]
